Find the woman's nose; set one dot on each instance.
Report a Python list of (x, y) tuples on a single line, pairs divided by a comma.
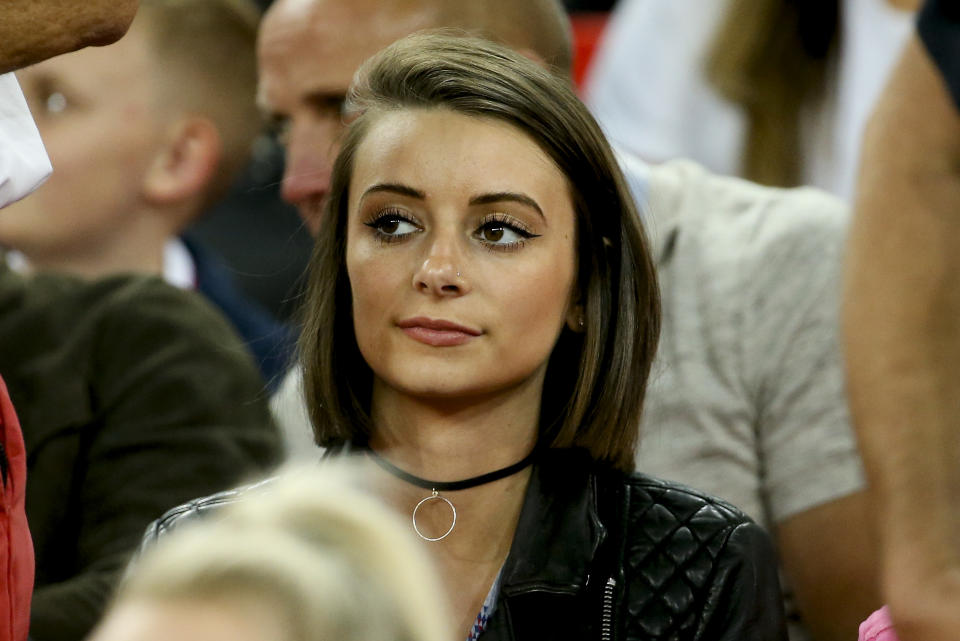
[(441, 273)]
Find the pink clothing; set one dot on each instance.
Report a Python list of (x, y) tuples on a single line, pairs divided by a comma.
[(878, 627)]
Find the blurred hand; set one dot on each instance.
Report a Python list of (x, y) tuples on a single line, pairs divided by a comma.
[(32, 30)]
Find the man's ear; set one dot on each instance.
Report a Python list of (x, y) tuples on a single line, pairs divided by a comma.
[(185, 167)]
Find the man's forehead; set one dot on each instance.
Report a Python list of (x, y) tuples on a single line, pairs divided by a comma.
[(314, 47), (350, 22)]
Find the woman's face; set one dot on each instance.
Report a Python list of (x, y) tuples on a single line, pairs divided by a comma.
[(461, 254)]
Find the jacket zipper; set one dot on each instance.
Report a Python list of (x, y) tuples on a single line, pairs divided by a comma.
[(606, 624)]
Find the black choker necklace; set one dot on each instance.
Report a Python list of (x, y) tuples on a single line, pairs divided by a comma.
[(448, 486)]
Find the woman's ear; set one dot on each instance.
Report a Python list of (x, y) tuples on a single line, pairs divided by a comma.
[(185, 167), (576, 318)]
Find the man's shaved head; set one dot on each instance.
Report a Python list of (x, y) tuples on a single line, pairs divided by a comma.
[(540, 27), (308, 51)]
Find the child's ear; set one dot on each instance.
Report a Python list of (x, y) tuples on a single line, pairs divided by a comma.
[(184, 168)]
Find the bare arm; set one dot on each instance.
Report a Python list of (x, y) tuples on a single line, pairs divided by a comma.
[(32, 30), (829, 557), (902, 331)]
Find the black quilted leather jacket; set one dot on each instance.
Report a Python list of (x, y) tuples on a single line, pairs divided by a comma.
[(600, 555)]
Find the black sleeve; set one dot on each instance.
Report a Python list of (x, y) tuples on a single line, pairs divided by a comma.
[(938, 26)]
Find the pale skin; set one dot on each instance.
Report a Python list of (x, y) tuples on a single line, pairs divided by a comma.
[(500, 268), (33, 30), (308, 51), (902, 303)]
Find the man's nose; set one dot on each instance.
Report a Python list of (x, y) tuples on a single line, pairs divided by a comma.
[(311, 149)]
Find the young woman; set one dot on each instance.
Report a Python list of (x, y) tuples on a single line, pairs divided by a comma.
[(481, 319)]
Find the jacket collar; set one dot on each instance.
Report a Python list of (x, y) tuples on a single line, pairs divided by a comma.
[(559, 530)]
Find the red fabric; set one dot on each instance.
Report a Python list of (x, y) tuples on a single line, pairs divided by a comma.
[(16, 547), (588, 28)]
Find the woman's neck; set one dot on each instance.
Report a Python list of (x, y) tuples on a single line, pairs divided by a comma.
[(448, 440), (452, 441)]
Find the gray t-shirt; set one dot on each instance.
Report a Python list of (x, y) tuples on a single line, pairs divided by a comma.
[(747, 398)]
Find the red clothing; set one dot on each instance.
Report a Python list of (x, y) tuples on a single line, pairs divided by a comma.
[(16, 547)]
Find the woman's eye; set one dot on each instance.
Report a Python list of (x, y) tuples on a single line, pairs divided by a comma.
[(501, 234), (498, 234), (392, 226)]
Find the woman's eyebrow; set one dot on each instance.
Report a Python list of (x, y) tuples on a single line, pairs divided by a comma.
[(482, 199), (509, 196), (395, 188)]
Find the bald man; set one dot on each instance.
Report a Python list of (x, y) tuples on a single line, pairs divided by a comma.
[(747, 400), (309, 51)]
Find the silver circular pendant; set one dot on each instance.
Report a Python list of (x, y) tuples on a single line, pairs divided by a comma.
[(434, 497)]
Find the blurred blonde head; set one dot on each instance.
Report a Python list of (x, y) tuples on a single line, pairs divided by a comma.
[(307, 556)]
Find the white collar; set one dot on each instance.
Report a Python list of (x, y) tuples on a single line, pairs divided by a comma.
[(23, 160), (179, 268)]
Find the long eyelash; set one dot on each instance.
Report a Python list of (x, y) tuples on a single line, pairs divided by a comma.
[(512, 247), (388, 214), (511, 224)]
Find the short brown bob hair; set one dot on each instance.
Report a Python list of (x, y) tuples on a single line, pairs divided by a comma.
[(596, 379)]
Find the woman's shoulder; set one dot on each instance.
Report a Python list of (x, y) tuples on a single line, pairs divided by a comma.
[(665, 517), (680, 500), (695, 553)]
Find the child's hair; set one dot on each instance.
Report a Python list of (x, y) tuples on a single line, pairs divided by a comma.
[(205, 63), (327, 557)]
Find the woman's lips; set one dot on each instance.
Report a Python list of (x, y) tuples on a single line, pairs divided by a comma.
[(437, 333)]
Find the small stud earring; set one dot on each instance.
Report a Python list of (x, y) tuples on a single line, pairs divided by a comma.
[(582, 322)]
